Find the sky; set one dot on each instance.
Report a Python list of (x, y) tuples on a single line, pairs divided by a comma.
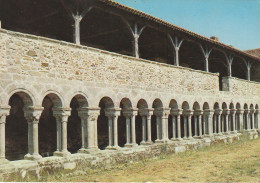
[(234, 22)]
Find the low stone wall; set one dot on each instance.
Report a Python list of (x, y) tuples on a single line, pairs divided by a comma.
[(106, 159), (28, 55)]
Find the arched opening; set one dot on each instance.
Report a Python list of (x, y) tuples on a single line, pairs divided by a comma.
[(155, 45), (156, 120), (77, 104), (48, 141), (17, 127), (218, 64), (191, 55), (239, 68), (105, 103)]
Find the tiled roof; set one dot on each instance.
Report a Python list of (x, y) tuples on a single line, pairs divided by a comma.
[(255, 52), (174, 27)]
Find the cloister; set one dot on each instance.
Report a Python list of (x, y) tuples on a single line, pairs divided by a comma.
[(78, 95), (111, 126)]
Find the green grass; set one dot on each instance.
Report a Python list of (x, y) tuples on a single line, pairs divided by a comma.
[(236, 162)]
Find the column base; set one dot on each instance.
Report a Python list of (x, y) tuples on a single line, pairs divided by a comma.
[(113, 148), (33, 157), (198, 137), (3, 161), (226, 133), (234, 132), (177, 139), (131, 145), (159, 141), (89, 150), (62, 153), (219, 134)]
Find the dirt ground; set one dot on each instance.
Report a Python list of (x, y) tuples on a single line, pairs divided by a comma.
[(236, 162)]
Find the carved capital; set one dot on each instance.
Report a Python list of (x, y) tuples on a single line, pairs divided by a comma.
[(187, 112), (146, 112), (33, 114), (62, 114), (113, 112), (176, 112), (130, 112), (197, 112), (218, 111), (4, 112), (86, 113)]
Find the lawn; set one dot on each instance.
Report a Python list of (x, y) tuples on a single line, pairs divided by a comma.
[(236, 162)]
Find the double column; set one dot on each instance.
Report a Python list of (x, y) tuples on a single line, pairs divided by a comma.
[(198, 123), (112, 115), (4, 112), (162, 115), (218, 129), (146, 115), (89, 117), (225, 121), (208, 123), (240, 120), (61, 115), (176, 124), (32, 115), (187, 124), (130, 115)]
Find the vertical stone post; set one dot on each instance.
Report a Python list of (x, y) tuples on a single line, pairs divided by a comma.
[(173, 127), (209, 122), (195, 125), (253, 119), (176, 114), (258, 120), (128, 131), (240, 120), (149, 128), (189, 126), (4, 112), (227, 112), (113, 115), (204, 117), (165, 116), (32, 115), (200, 119), (218, 113), (89, 117), (134, 114), (144, 128), (233, 120), (185, 126), (61, 115)]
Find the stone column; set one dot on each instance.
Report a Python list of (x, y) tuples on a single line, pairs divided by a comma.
[(218, 113), (149, 128), (113, 115), (189, 125), (185, 126), (89, 117), (240, 120), (249, 120), (134, 114), (226, 121), (173, 127), (164, 131), (4, 112), (223, 122), (62, 115), (144, 127), (204, 124), (258, 119), (128, 131), (246, 119), (32, 115), (253, 119), (196, 125), (176, 115), (200, 119), (233, 120)]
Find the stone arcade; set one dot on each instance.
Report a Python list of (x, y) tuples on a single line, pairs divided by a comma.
[(130, 86)]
